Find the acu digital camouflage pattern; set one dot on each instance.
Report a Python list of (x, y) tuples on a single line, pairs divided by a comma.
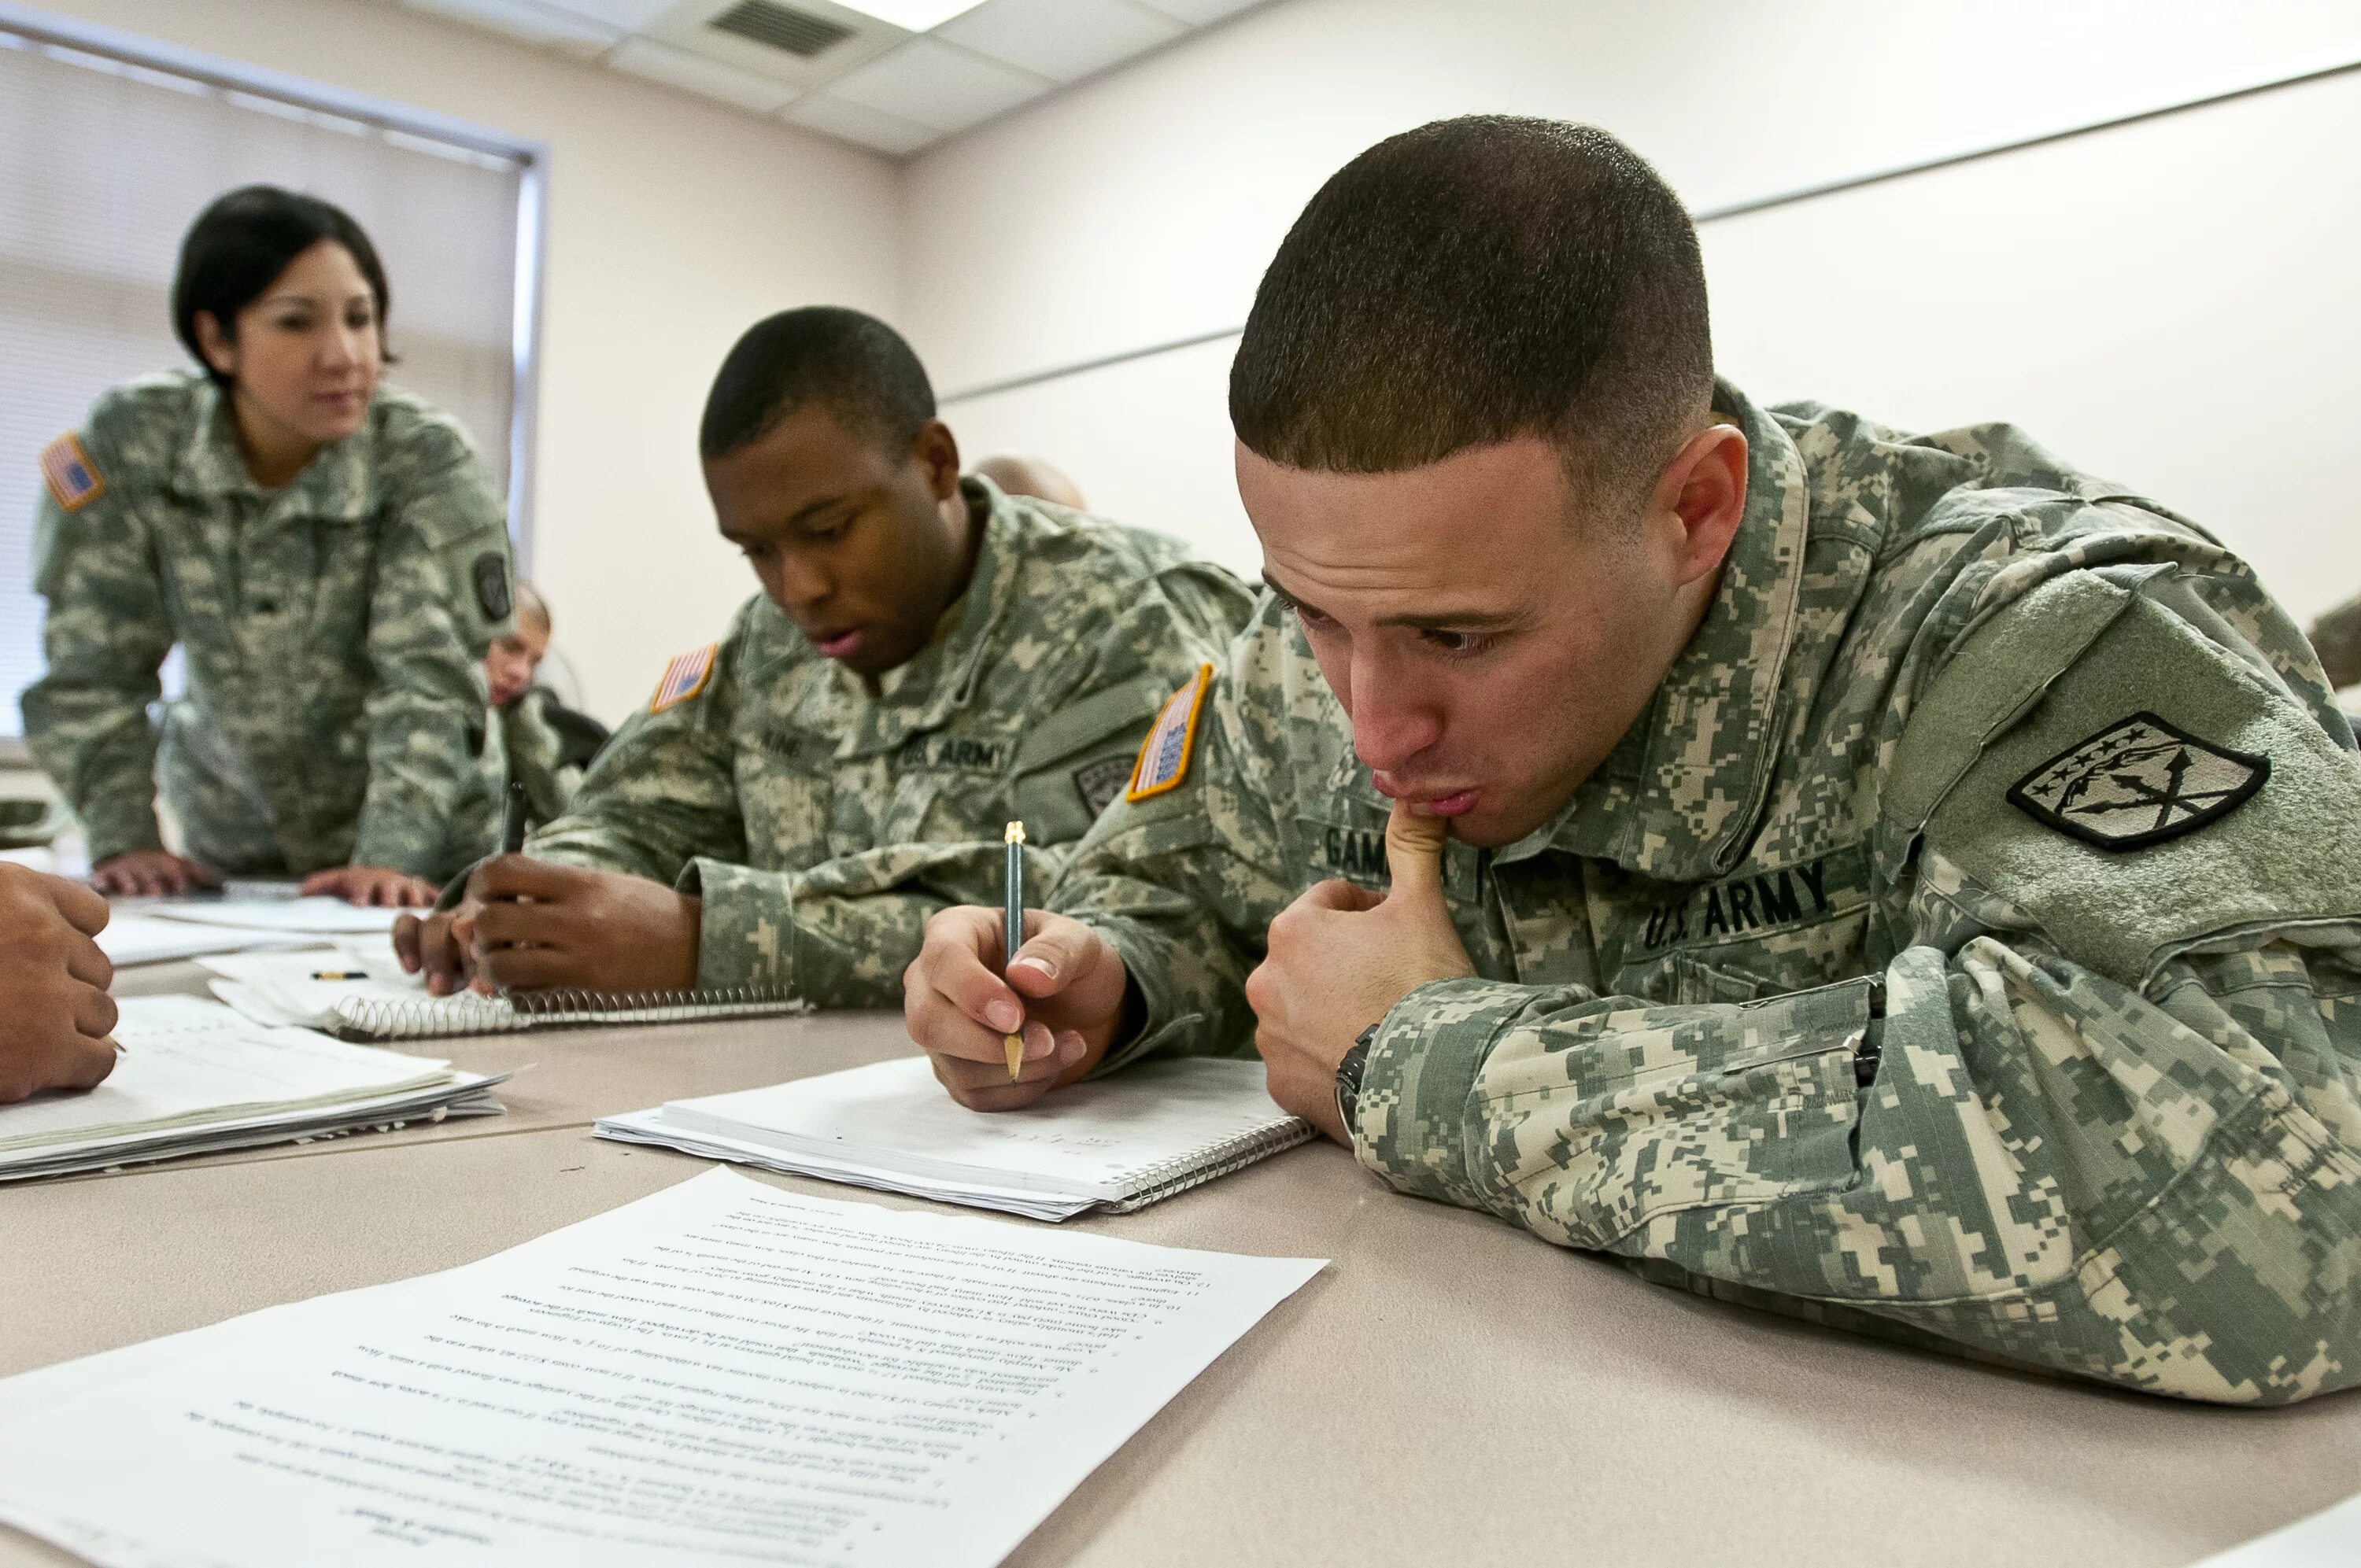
[(821, 822), (2108, 1122), (334, 637), (2336, 637)]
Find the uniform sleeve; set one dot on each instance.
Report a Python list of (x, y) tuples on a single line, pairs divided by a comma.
[(2107, 1122), (105, 637), (663, 794), (533, 749), (1183, 883), (2336, 638), (840, 933), (443, 591)]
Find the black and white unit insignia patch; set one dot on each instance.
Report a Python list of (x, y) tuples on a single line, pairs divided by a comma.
[(492, 575), (1102, 780), (2136, 783)]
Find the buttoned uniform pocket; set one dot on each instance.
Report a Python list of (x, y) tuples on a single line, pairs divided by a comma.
[(1077, 760), (785, 808), (1663, 1110)]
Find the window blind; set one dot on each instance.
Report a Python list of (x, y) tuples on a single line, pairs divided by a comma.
[(104, 162)]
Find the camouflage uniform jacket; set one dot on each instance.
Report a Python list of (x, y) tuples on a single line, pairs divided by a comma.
[(2109, 1121), (334, 632), (524, 746), (822, 824)]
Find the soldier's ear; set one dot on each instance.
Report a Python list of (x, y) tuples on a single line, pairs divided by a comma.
[(937, 450), (1703, 492), (220, 347)]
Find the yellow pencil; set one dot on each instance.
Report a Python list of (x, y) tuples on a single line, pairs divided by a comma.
[(1013, 937)]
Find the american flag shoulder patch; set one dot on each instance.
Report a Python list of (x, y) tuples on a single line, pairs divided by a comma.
[(73, 478), (1171, 740), (684, 677)]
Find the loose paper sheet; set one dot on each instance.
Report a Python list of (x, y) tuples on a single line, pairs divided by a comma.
[(144, 939), (722, 1374), (289, 915)]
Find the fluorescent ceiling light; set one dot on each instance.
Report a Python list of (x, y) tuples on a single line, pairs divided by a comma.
[(912, 16)]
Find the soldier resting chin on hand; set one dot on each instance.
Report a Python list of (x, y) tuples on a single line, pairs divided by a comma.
[(1897, 879)]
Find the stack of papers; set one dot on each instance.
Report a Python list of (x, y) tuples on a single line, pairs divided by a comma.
[(131, 939), (1117, 1143), (195, 1077), (154, 930), (718, 1373)]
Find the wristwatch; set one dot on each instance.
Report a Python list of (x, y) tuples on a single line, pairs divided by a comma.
[(1349, 1081)]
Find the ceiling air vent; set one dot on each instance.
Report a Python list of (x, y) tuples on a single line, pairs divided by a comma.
[(799, 32)]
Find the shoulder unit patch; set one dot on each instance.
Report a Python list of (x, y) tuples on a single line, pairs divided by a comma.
[(72, 476), (2138, 781), (1171, 740), (684, 677)]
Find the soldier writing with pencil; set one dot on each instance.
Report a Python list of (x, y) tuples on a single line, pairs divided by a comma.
[(1895, 879), (929, 658)]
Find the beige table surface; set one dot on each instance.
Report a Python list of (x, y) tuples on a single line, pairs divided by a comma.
[(1448, 1391)]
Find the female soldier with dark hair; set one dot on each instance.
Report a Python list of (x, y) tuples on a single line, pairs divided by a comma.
[(329, 554)]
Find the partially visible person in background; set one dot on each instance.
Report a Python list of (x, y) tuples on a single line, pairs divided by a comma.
[(545, 744), (2336, 638), (328, 554), (55, 1013), (1021, 476)]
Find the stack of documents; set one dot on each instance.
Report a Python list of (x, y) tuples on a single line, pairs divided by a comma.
[(719, 1374), (1117, 1144), (195, 1077), (152, 930)]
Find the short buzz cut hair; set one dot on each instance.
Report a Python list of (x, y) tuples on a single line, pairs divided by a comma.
[(1471, 281), (855, 366)]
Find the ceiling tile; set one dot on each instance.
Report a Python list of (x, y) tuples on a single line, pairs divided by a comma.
[(937, 84), (533, 24), (1063, 40), (695, 73), (631, 15), (858, 123), (1200, 13)]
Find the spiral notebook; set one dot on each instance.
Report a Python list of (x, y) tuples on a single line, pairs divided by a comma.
[(357, 990), (1115, 1144)]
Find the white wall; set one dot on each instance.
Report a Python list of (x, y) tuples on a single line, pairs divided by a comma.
[(674, 225), (2161, 303)]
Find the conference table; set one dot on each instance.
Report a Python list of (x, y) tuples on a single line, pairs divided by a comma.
[(1448, 1390)]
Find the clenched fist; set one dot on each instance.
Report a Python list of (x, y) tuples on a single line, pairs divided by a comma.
[(55, 1013)]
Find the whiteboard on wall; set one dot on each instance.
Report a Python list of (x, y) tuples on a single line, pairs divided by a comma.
[(2171, 304)]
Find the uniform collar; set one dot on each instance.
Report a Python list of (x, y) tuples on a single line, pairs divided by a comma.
[(334, 485), (1679, 797), (941, 678)]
